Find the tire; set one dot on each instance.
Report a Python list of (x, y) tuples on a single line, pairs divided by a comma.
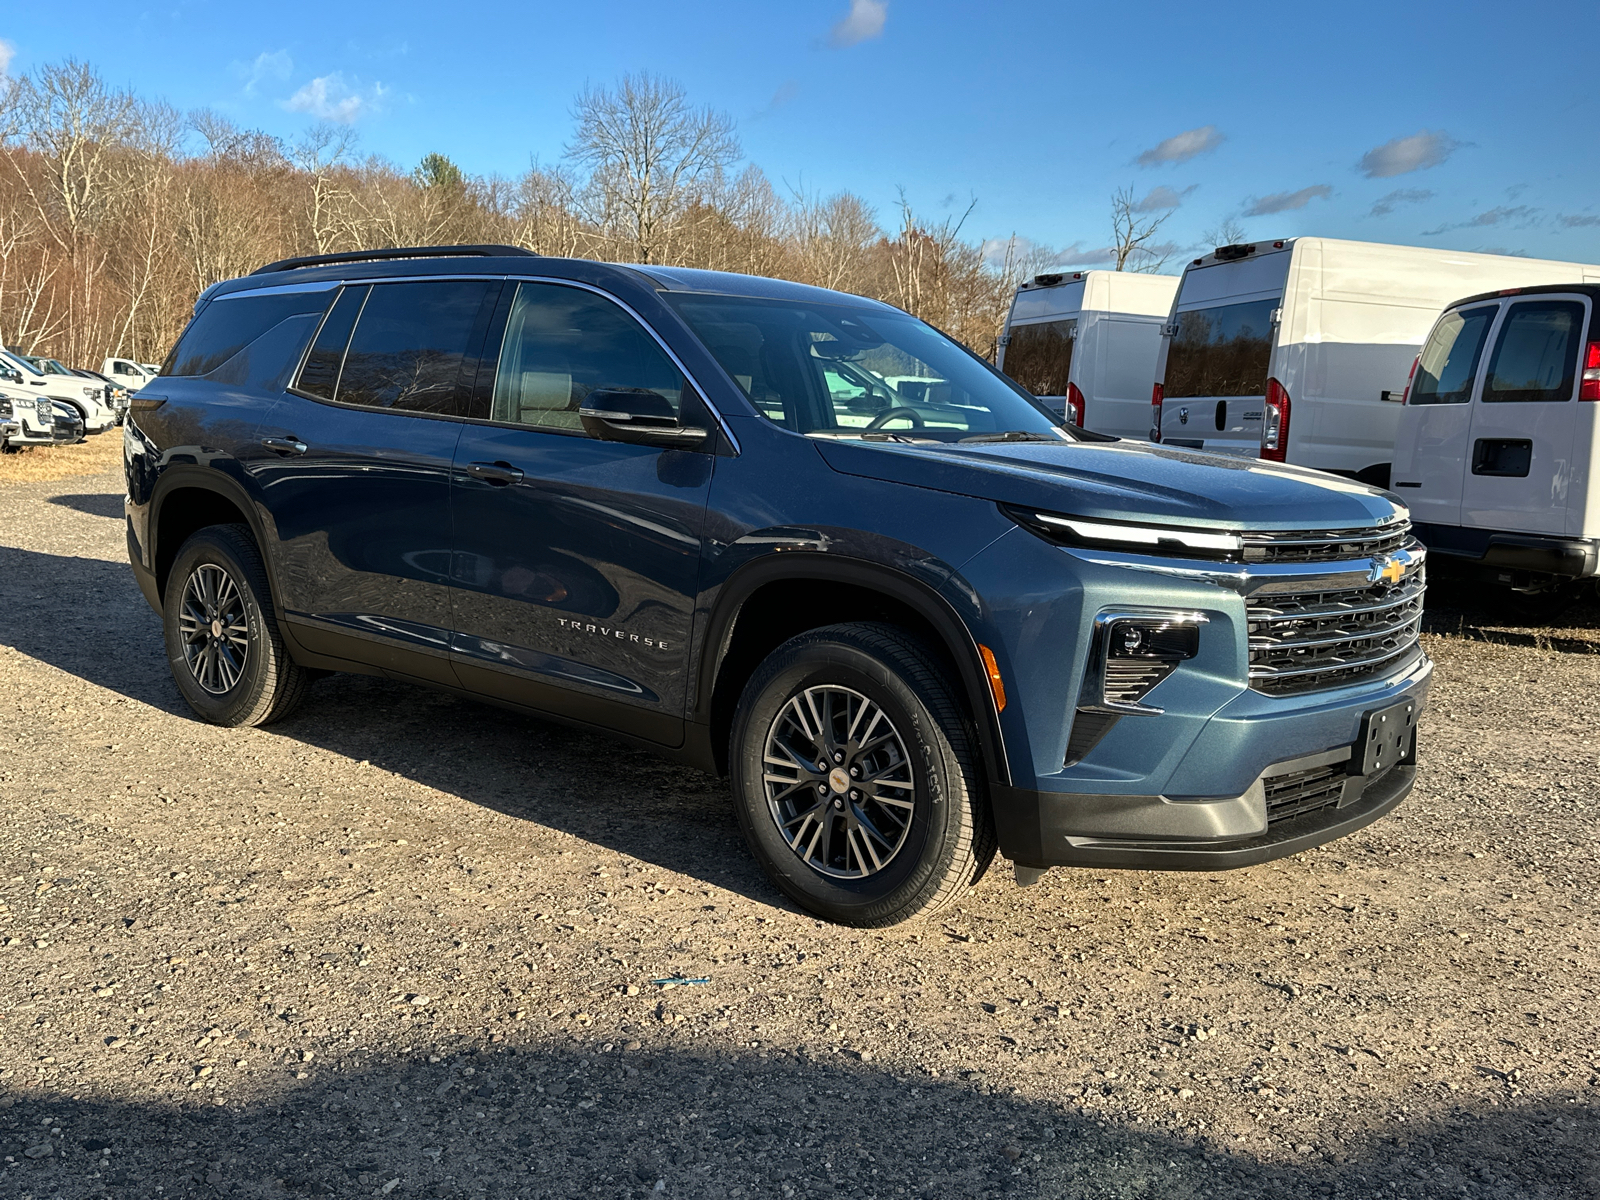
[(1537, 608), (236, 670), (852, 860)]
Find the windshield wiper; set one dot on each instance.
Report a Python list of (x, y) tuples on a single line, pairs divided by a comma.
[(1011, 435)]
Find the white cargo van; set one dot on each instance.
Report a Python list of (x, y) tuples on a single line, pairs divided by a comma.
[(1085, 342), (1498, 447), (1298, 350), (131, 375)]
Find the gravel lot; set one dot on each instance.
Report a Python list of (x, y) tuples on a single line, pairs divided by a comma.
[(404, 944)]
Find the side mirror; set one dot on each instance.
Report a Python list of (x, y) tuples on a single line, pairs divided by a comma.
[(638, 416)]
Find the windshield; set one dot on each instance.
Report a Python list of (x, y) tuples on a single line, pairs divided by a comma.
[(839, 371), (22, 364)]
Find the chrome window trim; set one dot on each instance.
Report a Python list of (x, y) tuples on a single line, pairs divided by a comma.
[(285, 289)]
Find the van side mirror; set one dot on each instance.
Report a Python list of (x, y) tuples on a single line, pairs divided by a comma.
[(638, 416)]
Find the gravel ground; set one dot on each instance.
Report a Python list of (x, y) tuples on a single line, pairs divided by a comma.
[(403, 944)]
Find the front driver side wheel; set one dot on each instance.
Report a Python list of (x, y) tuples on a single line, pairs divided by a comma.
[(223, 644), (856, 779)]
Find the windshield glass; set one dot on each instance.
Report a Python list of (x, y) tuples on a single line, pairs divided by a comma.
[(22, 364), (1039, 356), (839, 371), (1221, 351)]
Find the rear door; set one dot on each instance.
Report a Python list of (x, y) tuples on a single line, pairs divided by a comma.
[(576, 561), (1521, 455), (1219, 353), (1430, 462), (358, 479)]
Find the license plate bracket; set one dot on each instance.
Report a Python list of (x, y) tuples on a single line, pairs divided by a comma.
[(1386, 735)]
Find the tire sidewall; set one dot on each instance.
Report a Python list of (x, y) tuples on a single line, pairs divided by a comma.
[(940, 792), (233, 706)]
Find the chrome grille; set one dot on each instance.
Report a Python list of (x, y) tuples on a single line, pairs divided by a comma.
[(1323, 545), (1308, 641)]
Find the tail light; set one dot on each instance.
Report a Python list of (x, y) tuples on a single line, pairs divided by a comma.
[(1158, 393), (1405, 397), (1589, 388), (1075, 409), (1275, 425)]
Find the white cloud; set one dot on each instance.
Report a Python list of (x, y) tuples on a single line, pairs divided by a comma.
[(1579, 220), (266, 66), (1182, 147), (7, 53), (1162, 198), (863, 22), (1285, 201), (1427, 148), (1384, 205), (330, 98)]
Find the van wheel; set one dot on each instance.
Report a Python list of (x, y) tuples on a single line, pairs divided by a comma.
[(223, 644), (856, 779), (1540, 607)]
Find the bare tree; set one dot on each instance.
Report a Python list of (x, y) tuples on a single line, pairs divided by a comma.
[(319, 155), (1131, 234), (649, 153), (1226, 232)]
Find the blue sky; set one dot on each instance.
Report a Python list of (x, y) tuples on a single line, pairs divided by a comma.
[(1460, 125)]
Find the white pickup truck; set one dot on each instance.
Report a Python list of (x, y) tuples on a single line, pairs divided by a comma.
[(131, 375), (86, 396)]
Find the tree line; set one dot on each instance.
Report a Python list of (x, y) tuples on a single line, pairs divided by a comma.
[(116, 211)]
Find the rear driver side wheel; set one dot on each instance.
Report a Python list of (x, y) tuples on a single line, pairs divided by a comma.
[(856, 778), (223, 645)]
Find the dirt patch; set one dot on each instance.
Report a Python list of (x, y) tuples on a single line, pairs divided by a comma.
[(100, 453), (405, 944)]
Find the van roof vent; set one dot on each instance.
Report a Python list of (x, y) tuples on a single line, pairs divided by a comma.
[(1229, 253)]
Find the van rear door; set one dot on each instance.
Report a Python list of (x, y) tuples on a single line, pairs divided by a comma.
[(1219, 353), (1431, 447), (1521, 453)]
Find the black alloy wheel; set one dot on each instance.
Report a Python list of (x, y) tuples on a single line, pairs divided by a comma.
[(226, 653), (856, 777)]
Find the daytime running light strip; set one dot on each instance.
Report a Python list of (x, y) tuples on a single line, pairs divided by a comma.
[(1145, 536)]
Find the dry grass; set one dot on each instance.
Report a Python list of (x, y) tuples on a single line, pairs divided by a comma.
[(30, 464)]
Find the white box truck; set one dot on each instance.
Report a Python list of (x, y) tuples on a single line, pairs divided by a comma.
[(1085, 343), (1298, 350)]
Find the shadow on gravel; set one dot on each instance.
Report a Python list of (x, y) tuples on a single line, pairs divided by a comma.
[(96, 504), (1459, 608), (587, 785), (575, 1121)]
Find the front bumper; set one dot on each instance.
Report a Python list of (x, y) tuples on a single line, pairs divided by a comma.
[(1213, 833)]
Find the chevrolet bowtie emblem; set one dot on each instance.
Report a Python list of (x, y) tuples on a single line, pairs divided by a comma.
[(1386, 570)]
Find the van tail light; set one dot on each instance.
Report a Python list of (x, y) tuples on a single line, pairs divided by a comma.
[(1405, 397), (1589, 388), (1275, 425), (1158, 393), (1075, 409)]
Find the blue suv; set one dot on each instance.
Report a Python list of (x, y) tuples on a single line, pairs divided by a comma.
[(795, 537)]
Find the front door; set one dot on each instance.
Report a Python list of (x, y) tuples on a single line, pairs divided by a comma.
[(1521, 452), (357, 480), (1431, 449), (576, 560)]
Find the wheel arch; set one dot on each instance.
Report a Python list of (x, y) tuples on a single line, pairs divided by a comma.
[(768, 601), (188, 499)]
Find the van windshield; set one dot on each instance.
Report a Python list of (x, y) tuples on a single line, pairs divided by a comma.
[(1039, 356), (842, 371), (1224, 350), (1449, 362)]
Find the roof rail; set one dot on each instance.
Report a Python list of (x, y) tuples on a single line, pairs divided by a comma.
[(318, 260)]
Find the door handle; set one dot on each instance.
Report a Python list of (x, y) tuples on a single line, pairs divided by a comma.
[(285, 445), (497, 473)]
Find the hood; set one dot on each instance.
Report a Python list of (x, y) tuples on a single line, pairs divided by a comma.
[(1122, 481)]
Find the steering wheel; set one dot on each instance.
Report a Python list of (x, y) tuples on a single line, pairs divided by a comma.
[(883, 418)]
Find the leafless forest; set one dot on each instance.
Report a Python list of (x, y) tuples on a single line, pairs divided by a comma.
[(116, 210)]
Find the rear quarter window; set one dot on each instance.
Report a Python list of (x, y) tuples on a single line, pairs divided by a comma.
[(227, 325)]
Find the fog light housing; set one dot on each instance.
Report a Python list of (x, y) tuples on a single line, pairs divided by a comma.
[(1131, 653)]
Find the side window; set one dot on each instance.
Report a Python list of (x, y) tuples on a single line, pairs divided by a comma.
[(410, 345), (320, 375), (1536, 355), (561, 343), (228, 324), (1449, 362)]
